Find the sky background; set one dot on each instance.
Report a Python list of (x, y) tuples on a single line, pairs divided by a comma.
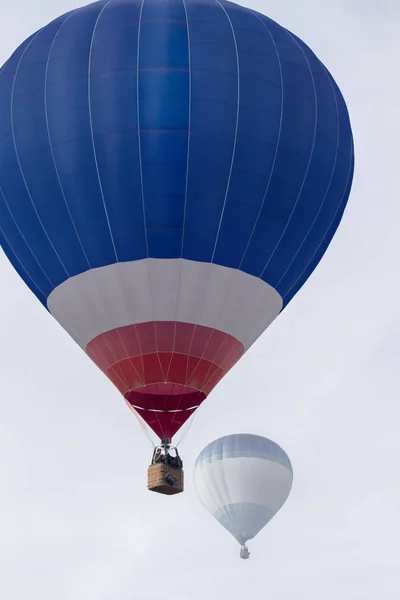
[(76, 519)]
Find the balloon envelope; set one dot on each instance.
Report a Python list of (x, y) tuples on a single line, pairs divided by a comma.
[(171, 172), (243, 480)]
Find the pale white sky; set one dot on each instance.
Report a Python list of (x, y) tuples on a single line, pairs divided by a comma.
[(76, 520)]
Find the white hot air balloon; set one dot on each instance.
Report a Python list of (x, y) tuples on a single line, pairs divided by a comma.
[(243, 480)]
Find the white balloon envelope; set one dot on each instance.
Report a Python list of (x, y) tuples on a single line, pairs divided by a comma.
[(243, 480)]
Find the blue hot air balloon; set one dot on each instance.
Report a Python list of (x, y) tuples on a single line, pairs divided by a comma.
[(243, 480), (171, 172)]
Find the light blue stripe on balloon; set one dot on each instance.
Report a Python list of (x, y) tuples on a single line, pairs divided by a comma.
[(244, 519), (243, 445)]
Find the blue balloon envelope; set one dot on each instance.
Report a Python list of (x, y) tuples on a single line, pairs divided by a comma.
[(171, 172)]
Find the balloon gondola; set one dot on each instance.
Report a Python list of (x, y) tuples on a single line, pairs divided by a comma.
[(171, 173), (165, 474)]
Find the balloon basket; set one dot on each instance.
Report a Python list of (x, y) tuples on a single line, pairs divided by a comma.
[(164, 479)]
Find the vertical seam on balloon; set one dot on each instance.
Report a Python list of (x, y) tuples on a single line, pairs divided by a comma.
[(92, 132), (18, 159), (141, 351), (28, 42), (21, 234), (236, 355), (127, 355), (222, 306), (120, 281), (208, 377), (309, 160), (138, 129), (278, 138), (186, 185), (232, 162), (189, 350), (343, 198), (156, 412), (17, 226), (142, 357), (233, 355), (208, 342), (22, 266), (118, 370), (49, 137), (236, 131), (157, 349), (4, 66), (277, 141), (137, 337), (122, 378), (174, 417), (51, 148), (200, 358), (141, 173), (189, 124), (329, 183), (24, 239), (175, 323)]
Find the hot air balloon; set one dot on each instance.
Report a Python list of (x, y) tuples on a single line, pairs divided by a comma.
[(171, 173), (243, 480)]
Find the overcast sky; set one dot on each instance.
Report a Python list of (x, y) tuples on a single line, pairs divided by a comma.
[(76, 519)]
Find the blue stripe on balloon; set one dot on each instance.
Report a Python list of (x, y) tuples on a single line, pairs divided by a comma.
[(244, 519), (243, 445)]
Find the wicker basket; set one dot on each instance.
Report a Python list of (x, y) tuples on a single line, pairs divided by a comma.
[(158, 476)]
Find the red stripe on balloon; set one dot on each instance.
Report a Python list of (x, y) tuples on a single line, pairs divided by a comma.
[(165, 424), (165, 369)]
